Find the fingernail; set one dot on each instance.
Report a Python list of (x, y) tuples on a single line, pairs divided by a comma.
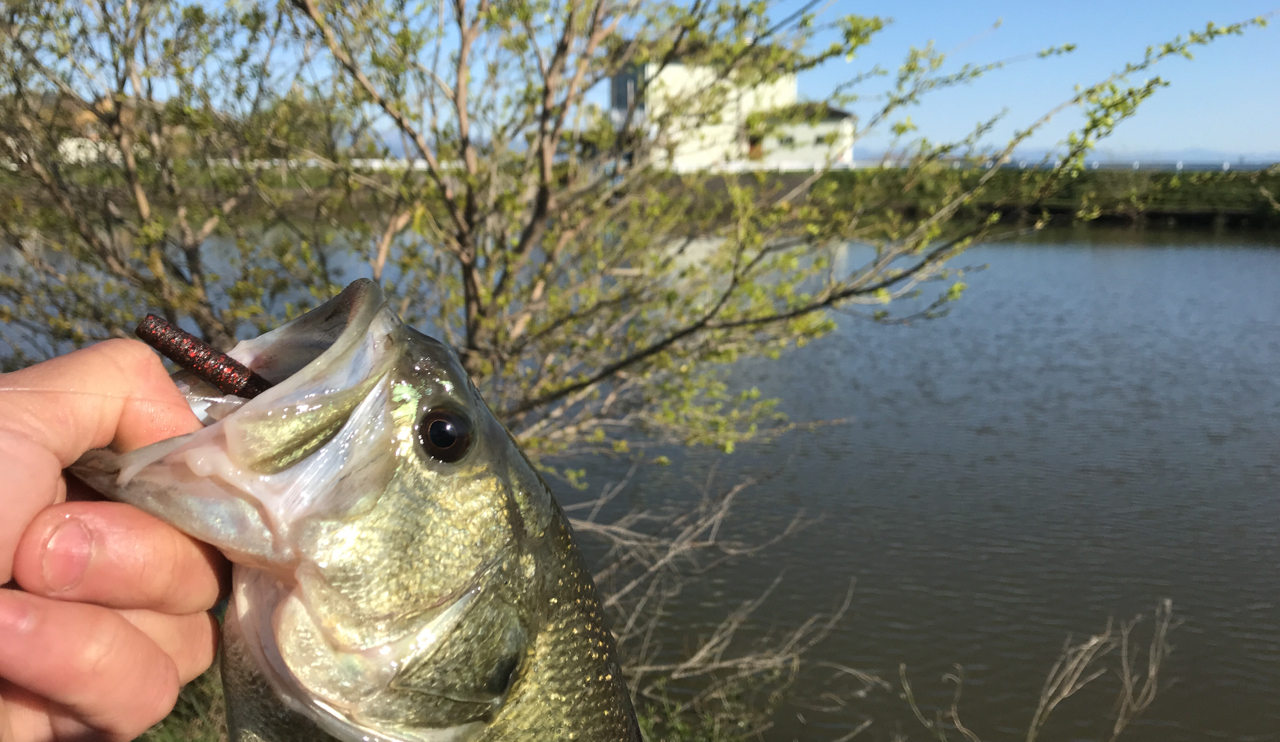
[(15, 613), (66, 556)]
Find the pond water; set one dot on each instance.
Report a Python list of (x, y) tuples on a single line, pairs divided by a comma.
[(1095, 427)]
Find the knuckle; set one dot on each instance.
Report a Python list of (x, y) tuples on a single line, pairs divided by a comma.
[(161, 571), (161, 575), (151, 704), (101, 649), (161, 700), (197, 652), (131, 360), (129, 355)]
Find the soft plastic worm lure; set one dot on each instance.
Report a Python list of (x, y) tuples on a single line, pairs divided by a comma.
[(222, 371)]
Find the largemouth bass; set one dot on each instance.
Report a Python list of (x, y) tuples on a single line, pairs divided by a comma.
[(401, 572)]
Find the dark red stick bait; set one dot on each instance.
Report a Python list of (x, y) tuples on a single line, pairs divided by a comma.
[(195, 355)]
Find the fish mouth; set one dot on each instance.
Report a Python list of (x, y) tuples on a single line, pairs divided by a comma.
[(316, 339), (259, 466)]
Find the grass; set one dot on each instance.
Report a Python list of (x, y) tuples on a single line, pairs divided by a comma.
[(198, 716)]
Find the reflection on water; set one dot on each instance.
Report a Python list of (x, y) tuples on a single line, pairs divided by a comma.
[(1095, 427)]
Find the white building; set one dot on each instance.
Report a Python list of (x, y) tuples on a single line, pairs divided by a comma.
[(756, 128), (85, 151)]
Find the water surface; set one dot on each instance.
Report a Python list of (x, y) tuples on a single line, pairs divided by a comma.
[(1095, 427)]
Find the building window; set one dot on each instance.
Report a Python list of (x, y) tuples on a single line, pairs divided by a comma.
[(626, 89)]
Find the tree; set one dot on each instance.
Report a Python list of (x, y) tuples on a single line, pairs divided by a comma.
[(591, 291), (170, 110)]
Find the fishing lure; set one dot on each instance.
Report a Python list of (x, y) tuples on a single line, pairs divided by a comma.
[(220, 370)]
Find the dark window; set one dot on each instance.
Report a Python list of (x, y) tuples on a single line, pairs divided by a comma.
[(625, 89)]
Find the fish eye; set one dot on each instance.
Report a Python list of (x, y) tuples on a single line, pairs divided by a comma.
[(445, 434)]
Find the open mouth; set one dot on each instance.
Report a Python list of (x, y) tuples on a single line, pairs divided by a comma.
[(314, 346), (319, 337)]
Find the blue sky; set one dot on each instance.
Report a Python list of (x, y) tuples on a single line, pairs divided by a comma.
[(1226, 101)]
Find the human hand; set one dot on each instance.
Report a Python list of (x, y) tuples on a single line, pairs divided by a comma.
[(104, 611)]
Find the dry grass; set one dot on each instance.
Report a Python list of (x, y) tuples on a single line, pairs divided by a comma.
[(1079, 665)]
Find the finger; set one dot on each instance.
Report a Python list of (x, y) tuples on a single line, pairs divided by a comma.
[(191, 641), (24, 715), (87, 659), (117, 556), (29, 717), (34, 471), (113, 393), (51, 413)]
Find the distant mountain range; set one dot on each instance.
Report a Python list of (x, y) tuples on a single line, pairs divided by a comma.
[(1193, 154), (1197, 157)]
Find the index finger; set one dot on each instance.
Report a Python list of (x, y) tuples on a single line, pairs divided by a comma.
[(113, 393)]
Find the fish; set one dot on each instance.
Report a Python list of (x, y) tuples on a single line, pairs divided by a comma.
[(400, 570)]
